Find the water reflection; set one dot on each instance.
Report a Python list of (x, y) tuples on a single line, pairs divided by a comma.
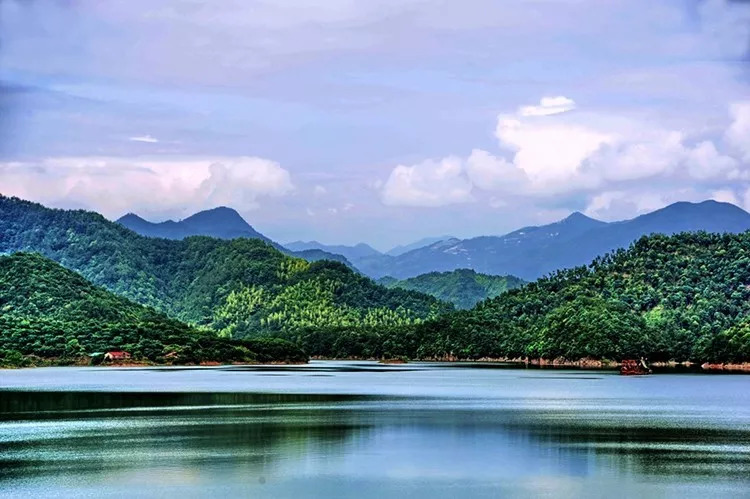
[(485, 439)]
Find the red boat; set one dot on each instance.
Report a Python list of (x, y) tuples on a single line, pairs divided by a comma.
[(632, 367)]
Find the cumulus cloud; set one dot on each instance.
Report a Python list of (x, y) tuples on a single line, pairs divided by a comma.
[(547, 150), (430, 183), (171, 187), (493, 173), (704, 162), (547, 153), (548, 106), (659, 153), (725, 196), (618, 205)]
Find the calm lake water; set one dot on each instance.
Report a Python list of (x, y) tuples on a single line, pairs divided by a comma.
[(360, 430)]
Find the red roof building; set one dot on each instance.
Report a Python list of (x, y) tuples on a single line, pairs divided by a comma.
[(116, 355)]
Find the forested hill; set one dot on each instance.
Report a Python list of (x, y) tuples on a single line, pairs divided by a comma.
[(51, 312), (463, 287), (221, 223), (682, 297), (241, 287)]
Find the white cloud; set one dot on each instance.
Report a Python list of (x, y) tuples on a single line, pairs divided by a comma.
[(319, 190), (595, 150), (547, 150), (144, 138), (725, 196), (548, 106), (431, 183), (738, 133), (493, 173), (592, 152), (114, 186), (704, 161), (631, 158), (619, 205), (240, 181)]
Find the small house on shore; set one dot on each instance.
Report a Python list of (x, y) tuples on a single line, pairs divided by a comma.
[(116, 355)]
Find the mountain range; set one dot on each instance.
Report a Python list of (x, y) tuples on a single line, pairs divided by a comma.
[(221, 223), (240, 287), (95, 284), (527, 253), (532, 252), (351, 253)]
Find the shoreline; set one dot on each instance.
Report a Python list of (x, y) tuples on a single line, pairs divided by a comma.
[(558, 363), (135, 364), (584, 364)]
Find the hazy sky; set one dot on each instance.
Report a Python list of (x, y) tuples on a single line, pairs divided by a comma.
[(381, 121)]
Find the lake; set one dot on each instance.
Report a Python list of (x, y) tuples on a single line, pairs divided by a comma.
[(364, 430)]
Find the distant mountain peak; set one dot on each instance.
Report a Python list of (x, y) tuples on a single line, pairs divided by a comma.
[(578, 218), (227, 217), (221, 222), (130, 217)]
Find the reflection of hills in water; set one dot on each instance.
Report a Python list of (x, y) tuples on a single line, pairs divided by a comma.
[(96, 433), (197, 439)]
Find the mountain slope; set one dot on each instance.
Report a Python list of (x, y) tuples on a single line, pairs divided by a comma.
[(532, 252), (242, 286), (351, 253), (405, 248), (464, 287), (682, 297), (221, 223), (708, 216), (488, 254), (49, 311)]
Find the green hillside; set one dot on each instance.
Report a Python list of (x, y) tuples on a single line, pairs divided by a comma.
[(463, 287), (242, 287), (51, 312), (683, 297)]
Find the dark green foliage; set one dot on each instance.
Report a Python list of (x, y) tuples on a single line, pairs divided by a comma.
[(680, 297), (463, 287), (51, 312), (684, 297), (242, 287)]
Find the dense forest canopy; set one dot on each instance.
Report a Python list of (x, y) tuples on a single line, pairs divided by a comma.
[(463, 287), (681, 297), (242, 287), (51, 312)]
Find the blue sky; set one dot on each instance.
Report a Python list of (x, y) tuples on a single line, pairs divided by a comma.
[(382, 121)]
